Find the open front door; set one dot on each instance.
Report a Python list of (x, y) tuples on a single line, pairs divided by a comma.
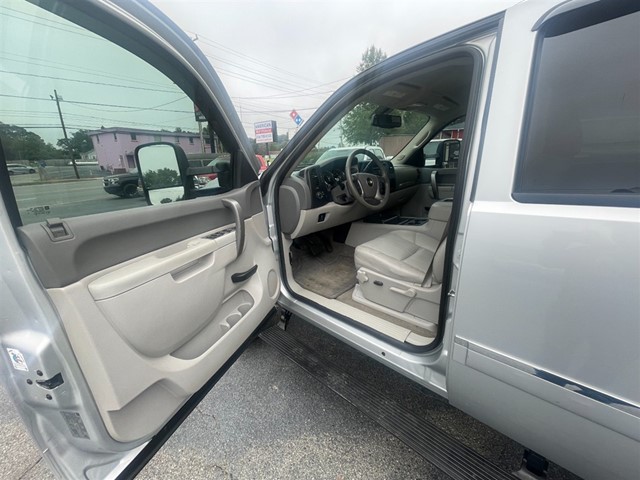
[(115, 312)]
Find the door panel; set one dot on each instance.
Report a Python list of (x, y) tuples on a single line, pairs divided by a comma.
[(114, 316), (148, 332), (107, 239)]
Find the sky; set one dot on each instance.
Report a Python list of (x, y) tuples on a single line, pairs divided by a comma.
[(314, 46), (272, 56)]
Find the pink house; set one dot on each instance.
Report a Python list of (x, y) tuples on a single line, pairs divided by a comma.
[(114, 146)]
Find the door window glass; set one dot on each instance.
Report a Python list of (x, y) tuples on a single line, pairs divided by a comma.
[(70, 96), (583, 140)]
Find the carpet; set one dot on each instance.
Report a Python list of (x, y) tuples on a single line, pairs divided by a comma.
[(328, 274)]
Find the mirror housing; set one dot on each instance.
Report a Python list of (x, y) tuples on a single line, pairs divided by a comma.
[(162, 168), (384, 120), (448, 153)]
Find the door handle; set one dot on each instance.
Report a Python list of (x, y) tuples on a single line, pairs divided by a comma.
[(235, 207), (244, 276)]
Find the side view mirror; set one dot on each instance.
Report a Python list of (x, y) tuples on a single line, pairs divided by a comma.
[(448, 153), (162, 169)]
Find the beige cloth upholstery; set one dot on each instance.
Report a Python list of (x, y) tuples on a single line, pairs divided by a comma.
[(402, 255)]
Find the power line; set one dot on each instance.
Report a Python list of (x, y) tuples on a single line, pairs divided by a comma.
[(252, 80), (155, 107), (216, 44), (98, 104), (89, 82), (291, 94), (257, 72), (75, 69), (52, 27), (65, 24)]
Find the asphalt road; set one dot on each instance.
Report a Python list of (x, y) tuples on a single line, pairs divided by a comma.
[(268, 419), (38, 201)]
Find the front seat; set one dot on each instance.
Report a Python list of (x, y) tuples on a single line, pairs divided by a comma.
[(400, 274), (402, 255)]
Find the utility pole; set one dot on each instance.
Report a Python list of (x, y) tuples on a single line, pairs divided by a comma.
[(202, 147), (64, 131)]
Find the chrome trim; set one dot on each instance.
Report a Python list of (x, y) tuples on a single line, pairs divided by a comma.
[(575, 387)]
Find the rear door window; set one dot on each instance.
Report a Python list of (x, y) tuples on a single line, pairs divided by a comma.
[(582, 138)]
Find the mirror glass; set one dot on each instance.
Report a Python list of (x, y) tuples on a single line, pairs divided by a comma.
[(160, 173)]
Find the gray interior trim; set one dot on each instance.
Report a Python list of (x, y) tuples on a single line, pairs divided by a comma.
[(235, 207), (106, 239), (294, 196)]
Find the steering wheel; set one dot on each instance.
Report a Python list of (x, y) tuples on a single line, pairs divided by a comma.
[(366, 187)]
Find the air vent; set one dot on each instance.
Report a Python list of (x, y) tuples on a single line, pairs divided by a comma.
[(313, 179)]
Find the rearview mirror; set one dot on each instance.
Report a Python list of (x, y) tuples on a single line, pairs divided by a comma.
[(162, 168), (384, 120)]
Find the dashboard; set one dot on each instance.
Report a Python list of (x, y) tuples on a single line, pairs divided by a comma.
[(327, 182), (315, 198)]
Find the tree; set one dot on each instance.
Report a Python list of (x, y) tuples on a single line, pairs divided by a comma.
[(80, 142), (21, 144), (371, 57), (356, 125), (161, 178)]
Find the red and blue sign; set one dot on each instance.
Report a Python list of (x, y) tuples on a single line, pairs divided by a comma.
[(296, 118)]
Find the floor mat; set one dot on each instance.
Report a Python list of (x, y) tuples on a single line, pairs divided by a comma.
[(329, 274)]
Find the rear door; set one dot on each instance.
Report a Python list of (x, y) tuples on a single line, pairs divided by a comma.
[(116, 313), (547, 316)]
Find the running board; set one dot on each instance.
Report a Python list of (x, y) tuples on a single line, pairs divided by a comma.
[(436, 446)]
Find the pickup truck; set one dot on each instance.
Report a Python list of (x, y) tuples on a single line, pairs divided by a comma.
[(124, 185), (512, 293)]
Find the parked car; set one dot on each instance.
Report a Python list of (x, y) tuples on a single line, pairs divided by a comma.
[(263, 164), (19, 169), (515, 300), (124, 185)]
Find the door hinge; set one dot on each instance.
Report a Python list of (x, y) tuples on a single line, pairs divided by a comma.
[(451, 293), (283, 317)]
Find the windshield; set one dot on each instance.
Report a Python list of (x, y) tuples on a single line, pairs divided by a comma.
[(354, 130)]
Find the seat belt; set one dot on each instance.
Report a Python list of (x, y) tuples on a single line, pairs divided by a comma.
[(428, 277)]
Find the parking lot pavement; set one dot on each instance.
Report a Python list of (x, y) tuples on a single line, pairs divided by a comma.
[(268, 419), (19, 457)]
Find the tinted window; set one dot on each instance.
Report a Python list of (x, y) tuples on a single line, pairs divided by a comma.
[(110, 101), (583, 138)]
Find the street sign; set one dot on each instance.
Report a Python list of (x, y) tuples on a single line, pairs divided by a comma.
[(296, 118), (266, 132)]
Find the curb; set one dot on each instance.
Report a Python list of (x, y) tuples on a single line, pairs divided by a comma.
[(38, 182)]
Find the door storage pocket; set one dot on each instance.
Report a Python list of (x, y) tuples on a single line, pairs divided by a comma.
[(230, 313)]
